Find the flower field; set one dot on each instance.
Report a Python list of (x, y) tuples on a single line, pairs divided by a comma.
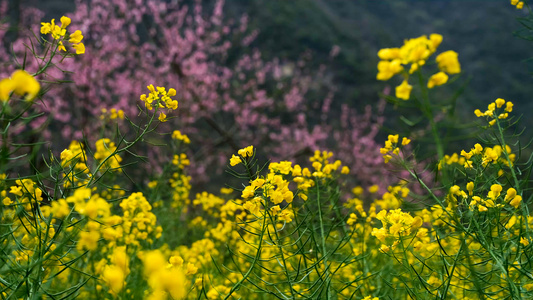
[(147, 153)]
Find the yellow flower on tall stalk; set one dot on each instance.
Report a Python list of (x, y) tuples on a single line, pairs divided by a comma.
[(247, 151), (392, 146), (411, 57), (162, 99), (496, 110), (234, 160), (60, 33), (244, 153)]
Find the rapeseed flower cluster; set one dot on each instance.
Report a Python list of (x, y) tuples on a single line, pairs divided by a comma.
[(496, 110), (166, 280), (74, 161), (244, 154), (25, 231), (178, 136), (413, 55), (114, 274), (518, 4), (178, 181), (181, 187), (60, 33), (28, 188), (138, 222), (493, 198), (105, 153), (396, 224), (117, 240), (271, 192), (160, 97), (112, 114), (181, 160), (481, 157), (393, 197), (135, 228), (322, 166), (392, 146)]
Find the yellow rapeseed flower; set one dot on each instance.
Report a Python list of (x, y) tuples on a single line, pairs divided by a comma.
[(499, 102), (358, 190), (511, 193), (162, 117), (104, 151), (80, 48), (65, 21), (448, 62), (234, 160), (437, 79), (114, 277), (389, 53), (246, 152), (470, 188), (387, 69), (76, 37), (177, 135), (373, 189), (403, 91), (495, 191), (509, 106), (516, 201), (46, 28), (436, 40), (61, 47), (20, 83), (6, 87), (518, 4)]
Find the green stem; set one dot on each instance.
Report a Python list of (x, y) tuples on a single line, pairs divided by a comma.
[(278, 242), (428, 112), (438, 142), (323, 237), (125, 148), (504, 149), (456, 259), (257, 257)]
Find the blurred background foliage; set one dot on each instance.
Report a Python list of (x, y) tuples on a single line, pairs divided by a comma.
[(495, 61)]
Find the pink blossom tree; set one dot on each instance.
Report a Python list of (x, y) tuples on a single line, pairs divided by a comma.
[(229, 96)]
